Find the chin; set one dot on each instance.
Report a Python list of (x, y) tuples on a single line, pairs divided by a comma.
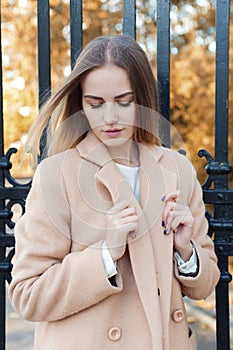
[(115, 142)]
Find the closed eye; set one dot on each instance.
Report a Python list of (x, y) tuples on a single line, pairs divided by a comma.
[(96, 105), (120, 103), (124, 103)]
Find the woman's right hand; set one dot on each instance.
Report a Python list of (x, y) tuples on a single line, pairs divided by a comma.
[(121, 219)]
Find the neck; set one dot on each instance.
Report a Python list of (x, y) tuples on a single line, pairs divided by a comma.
[(127, 154)]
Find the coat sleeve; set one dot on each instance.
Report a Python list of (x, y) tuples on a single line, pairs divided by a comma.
[(49, 282), (204, 282)]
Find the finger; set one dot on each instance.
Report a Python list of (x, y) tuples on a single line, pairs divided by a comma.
[(119, 206), (131, 226), (169, 206), (172, 210), (184, 215), (117, 216), (187, 219), (174, 220), (128, 219), (171, 196), (127, 212), (177, 218), (125, 229)]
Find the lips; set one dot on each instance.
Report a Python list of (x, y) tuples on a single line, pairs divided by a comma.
[(113, 132)]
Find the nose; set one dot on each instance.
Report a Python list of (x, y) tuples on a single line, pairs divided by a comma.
[(110, 113)]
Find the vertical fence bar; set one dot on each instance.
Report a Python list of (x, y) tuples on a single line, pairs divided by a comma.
[(43, 49), (1, 95), (76, 35), (129, 18), (163, 55), (44, 65), (222, 212), (2, 224), (1, 92), (222, 82), (163, 64)]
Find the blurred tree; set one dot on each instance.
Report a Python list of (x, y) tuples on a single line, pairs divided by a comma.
[(193, 77), (193, 44), (192, 62)]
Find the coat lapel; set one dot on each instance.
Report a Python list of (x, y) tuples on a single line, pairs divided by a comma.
[(163, 255), (146, 258), (155, 248), (140, 251)]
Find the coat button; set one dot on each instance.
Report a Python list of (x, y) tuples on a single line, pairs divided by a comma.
[(114, 333), (178, 315)]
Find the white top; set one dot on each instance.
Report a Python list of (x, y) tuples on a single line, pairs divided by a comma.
[(132, 175)]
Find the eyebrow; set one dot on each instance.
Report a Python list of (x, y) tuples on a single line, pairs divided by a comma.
[(100, 98)]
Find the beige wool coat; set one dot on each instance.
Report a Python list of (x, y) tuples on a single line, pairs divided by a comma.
[(58, 275)]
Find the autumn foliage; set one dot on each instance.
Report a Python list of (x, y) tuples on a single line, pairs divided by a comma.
[(192, 64)]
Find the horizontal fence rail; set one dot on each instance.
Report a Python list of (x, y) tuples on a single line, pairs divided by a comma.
[(218, 168)]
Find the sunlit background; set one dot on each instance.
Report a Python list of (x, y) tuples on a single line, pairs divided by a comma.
[(192, 63)]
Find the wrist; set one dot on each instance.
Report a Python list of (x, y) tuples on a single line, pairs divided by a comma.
[(185, 252)]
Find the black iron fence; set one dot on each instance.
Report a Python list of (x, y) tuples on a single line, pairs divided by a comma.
[(215, 188)]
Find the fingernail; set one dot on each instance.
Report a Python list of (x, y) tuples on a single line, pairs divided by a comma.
[(163, 198), (165, 231), (163, 223)]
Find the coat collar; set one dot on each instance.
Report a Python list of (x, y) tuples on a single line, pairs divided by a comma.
[(90, 148)]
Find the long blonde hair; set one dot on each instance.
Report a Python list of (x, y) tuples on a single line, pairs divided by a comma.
[(64, 106)]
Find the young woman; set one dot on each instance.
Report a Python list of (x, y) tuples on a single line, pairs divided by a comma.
[(114, 234)]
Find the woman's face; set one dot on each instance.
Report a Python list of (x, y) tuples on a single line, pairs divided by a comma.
[(108, 101)]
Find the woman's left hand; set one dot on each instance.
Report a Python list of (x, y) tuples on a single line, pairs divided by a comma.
[(177, 219)]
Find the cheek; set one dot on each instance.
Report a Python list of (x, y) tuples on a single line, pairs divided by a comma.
[(94, 121), (129, 118)]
